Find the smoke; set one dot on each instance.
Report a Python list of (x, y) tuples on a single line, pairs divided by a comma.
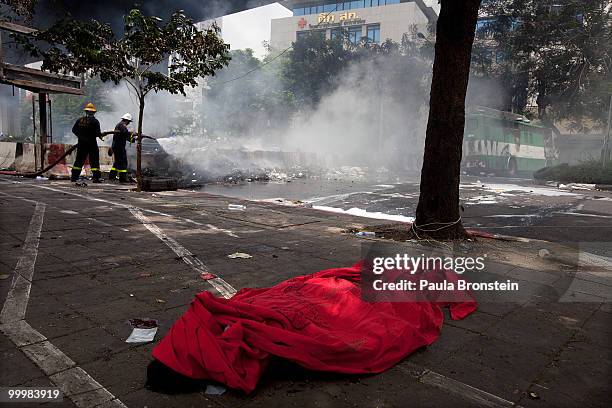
[(112, 11), (374, 116)]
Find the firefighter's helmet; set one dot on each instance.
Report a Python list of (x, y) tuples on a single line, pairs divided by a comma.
[(90, 107), (127, 116)]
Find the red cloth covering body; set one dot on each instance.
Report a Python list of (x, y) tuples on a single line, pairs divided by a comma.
[(318, 321)]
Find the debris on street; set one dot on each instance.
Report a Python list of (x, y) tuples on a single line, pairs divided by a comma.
[(207, 276), (212, 389), (239, 255), (144, 330)]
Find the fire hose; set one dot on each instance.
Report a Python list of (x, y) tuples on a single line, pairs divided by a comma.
[(59, 159)]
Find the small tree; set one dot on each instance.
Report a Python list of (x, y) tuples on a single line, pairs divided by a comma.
[(139, 57)]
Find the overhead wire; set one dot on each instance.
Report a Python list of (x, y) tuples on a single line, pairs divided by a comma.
[(274, 58)]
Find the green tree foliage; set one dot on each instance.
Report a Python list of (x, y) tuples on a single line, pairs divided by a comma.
[(17, 9), (139, 57), (558, 53), (65, 107), (312, 67)]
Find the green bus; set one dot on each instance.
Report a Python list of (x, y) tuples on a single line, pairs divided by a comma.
[(505, 143)]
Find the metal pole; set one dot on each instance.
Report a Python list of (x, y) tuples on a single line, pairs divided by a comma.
[(50, 122), (42, 107)]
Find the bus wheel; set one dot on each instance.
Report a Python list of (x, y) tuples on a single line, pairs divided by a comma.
[(512, 168)]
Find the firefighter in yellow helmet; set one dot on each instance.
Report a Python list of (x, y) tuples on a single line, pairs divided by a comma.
[(87, 130)]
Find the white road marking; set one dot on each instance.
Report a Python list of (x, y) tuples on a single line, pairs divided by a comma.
[(74, 382), (225, 289), (17, 299), (582, 214), (128, 206)]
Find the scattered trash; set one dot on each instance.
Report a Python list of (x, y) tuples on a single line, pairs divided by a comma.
[(365, 234), (144, 275), (533, 395), (285, 248), (4, 276), (207, 276), (241, 255), (144, 330), (543, 253), (160, 300), (212, 389), (131, 295), (236, 207), (41, 178), (153, 195)]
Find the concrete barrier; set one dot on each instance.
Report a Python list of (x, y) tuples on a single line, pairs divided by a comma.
[(25, 158), (7, 155)]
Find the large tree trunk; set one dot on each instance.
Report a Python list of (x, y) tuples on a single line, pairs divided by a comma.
[(437, 214), (139, 144)]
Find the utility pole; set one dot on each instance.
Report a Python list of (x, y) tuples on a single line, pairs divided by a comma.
[(605, 151)]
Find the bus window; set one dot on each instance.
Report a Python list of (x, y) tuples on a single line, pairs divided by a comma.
[(472, 124)]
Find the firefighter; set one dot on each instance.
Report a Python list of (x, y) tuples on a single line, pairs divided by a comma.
[(87, 129), (119, 139)]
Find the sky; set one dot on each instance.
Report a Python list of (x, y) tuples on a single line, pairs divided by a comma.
[(248, 29)]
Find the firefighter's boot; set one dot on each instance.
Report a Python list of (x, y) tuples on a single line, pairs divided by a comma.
[(96, 176), (75, 173), (112, 175), (123, 178)]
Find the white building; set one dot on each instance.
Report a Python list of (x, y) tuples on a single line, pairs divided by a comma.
[(376, 20)]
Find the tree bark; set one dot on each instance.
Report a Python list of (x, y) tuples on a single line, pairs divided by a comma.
[(437, 214), (141, 107)]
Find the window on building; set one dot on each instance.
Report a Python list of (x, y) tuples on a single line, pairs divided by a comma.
[(500, 56), (336, 33), (472, 125), (356, 4), (354, 34), (299, 11), (485, 25), (328, 8), (374, 33), (318, 33)]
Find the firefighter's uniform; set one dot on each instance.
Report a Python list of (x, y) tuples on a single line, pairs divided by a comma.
[(120, 164), (87, 129)]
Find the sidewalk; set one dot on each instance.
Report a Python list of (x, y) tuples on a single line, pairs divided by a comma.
[(97, 266)]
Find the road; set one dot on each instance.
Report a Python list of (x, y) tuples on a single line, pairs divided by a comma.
[(509, 206), (86, 260)]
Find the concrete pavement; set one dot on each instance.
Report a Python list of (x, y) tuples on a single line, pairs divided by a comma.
[(98, 265)]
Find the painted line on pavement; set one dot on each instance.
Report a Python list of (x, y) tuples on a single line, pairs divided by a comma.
[(17, 299), (225, 289), (128, 206), (475, 395), (74, 382)]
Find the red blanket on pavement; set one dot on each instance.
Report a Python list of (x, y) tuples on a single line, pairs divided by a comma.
[(318, 321)]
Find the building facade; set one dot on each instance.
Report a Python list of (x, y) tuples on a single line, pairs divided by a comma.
[(370, 20)]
